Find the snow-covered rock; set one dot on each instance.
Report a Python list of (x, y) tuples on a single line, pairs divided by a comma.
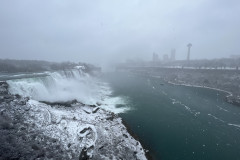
[(80, 67), (33, 130)]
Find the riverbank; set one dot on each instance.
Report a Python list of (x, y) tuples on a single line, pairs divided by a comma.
[(230, 98), (222, 80), (229, 94), (30, 129)]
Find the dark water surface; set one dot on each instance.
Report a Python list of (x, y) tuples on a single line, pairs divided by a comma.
[(179, 122)]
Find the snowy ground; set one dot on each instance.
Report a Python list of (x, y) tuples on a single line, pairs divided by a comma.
[(33, 130)]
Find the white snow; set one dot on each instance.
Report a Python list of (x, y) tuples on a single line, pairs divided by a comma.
[(72, 125), (79, 67)]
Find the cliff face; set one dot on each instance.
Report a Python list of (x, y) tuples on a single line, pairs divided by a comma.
[(30, 129)]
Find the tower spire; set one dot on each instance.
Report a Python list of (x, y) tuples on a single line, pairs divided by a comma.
[(189, 47)]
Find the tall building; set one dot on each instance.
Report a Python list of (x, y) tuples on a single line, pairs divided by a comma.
[(173, 53)]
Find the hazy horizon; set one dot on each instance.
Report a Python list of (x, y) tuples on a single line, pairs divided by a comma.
[(103, 32)]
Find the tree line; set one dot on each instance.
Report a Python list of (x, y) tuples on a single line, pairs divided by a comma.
[(12, 66)]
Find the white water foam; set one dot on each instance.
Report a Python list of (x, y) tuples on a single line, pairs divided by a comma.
[(216, 118), (235, 125), (66, 86), (111, 102), (174, 101), (220, 108)]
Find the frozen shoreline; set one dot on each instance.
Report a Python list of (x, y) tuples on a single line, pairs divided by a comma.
[(197, 86), (196, 78), (230, 98)]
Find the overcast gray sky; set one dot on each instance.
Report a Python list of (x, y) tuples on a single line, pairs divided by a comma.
[(99, 31)]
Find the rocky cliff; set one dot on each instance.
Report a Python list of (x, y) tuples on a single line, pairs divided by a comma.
[(33, 130)]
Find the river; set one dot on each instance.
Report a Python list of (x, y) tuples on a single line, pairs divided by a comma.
[(178, 122)]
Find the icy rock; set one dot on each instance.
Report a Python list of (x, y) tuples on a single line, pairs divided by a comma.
[(3, 88)]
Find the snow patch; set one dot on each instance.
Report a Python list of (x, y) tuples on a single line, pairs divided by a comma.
[(72, 126)]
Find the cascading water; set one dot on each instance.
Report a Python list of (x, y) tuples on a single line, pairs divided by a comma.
[(65, 86)]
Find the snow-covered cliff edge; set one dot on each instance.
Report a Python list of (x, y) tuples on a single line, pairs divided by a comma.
[(30, 129)]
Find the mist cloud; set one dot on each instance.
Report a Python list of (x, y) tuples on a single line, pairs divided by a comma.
[(102, 31)]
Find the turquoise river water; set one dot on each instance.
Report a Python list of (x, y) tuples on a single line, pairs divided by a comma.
[(178, 122)]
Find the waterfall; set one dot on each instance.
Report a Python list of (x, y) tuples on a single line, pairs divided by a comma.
[(63, 86), (58, 87)]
